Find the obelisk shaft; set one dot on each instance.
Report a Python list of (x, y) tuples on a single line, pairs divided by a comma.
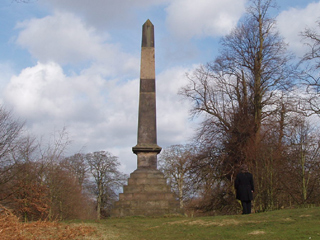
[(147, 148)]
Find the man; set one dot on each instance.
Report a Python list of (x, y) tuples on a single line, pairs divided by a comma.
[(244, 188)]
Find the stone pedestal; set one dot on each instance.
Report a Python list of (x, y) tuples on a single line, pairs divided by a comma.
[(147, 194)]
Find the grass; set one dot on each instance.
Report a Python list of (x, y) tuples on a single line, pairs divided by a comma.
[(303, 223)]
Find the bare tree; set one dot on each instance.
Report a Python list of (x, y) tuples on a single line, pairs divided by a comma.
[(11, 133), (240, 90), (237, 91), (34, 181), (107, 178), (77, 166), (303, 168), (311, 61), (312, 40), (51, 152), (175, 161), (243, 79)]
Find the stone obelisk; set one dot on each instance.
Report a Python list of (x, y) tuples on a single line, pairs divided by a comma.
[(147, 192), (147, 148)]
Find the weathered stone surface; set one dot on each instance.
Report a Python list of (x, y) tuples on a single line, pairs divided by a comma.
[(147, 35), (147, 69), (135, 181), (146, 196), (146, 158), (147, 173), (147, 132), (147, 192)]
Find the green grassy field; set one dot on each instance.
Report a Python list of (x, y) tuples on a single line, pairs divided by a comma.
[(302, 223)]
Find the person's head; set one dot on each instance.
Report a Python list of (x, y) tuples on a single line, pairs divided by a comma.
[(244, 168)]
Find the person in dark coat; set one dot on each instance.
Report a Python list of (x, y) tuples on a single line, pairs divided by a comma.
[(244, 188)]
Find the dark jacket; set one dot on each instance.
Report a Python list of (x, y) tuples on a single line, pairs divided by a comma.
[(244, 186)]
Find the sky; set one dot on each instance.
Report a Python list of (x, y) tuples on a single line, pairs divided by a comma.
[(75, 64)]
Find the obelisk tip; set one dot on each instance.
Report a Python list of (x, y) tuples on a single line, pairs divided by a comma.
[(148, 22), (148, 34)]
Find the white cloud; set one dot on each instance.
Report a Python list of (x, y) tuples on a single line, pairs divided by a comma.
[(6, 71), (65, 39), (44, 91), (62, 38), (187, 18), (98, 114), (294, 21), (172, 110), (106, 13)]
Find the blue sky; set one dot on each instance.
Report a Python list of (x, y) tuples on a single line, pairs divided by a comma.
[(75, 63)]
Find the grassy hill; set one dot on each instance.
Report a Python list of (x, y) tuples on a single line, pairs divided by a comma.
[(302, 223)]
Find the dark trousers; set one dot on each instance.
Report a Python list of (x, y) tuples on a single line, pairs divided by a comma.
[(246, 207)]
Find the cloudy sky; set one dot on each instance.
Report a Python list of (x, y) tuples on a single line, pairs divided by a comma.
[(75, 63)]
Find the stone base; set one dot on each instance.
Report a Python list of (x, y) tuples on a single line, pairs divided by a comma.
[(147, 194)]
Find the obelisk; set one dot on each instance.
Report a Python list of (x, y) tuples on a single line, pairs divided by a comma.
[(147, 148), (147, 192)]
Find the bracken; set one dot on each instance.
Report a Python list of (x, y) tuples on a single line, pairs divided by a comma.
[(12, 229)]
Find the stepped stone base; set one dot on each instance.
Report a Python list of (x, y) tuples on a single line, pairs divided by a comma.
[(147, 194)]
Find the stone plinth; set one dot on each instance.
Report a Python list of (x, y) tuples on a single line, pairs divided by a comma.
[(147, 194)]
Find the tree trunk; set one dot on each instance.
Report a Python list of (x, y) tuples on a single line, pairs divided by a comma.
[(304, 185), (99, 200), (181, 191), (257, 84)]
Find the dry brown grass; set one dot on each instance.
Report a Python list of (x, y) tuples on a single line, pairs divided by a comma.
[(257, 232), (201, 222), (12, 229)]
